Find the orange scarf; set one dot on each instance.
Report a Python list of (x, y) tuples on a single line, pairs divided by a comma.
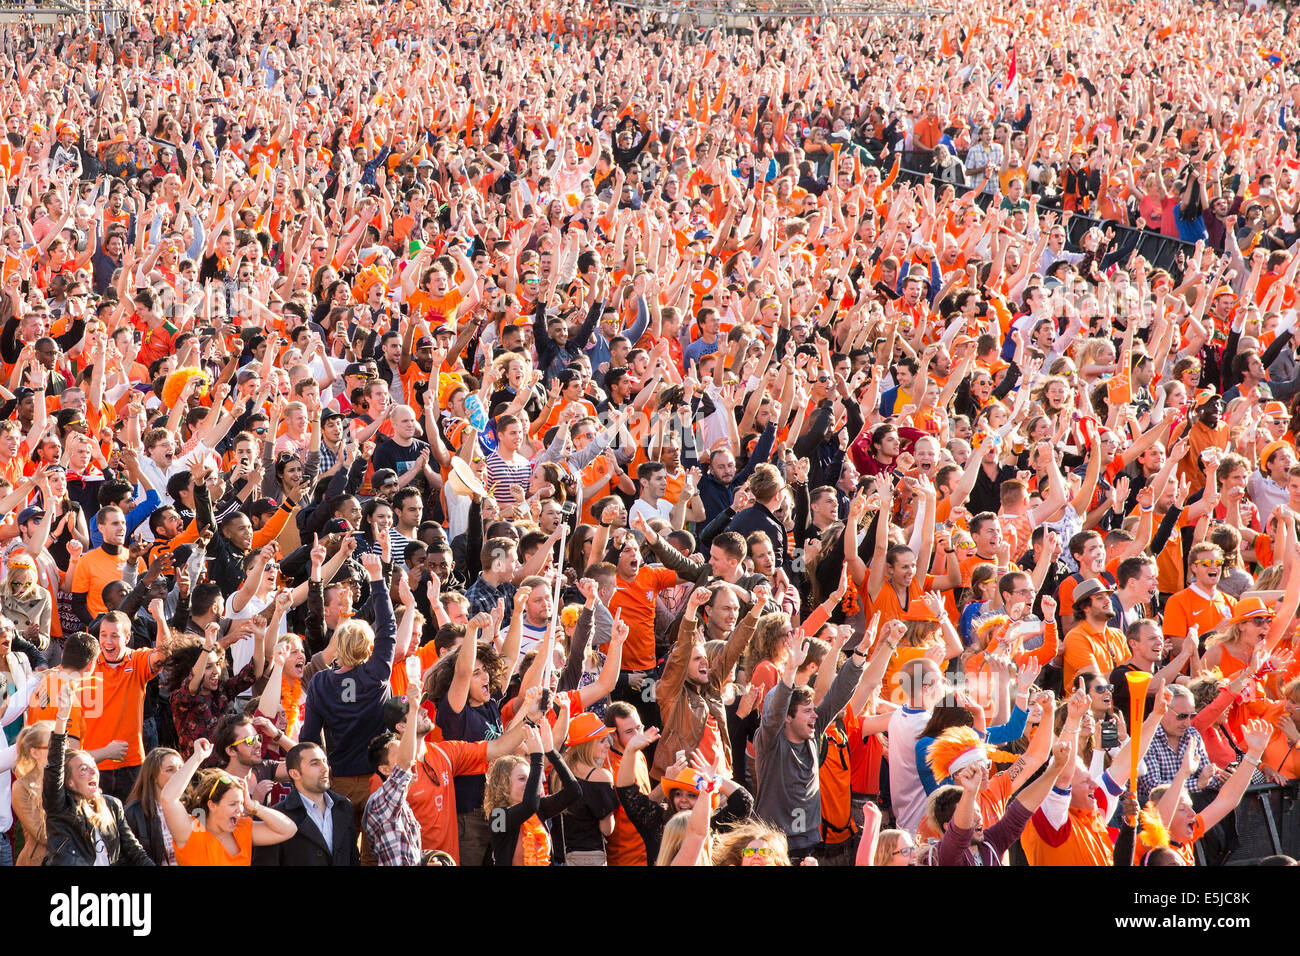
[(536, 841), (293, 703)]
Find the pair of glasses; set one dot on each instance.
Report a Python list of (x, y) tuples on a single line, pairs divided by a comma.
[(908, 851), (1102, 688), (1209, 563), (1183, 716), (260, 431), (229, 781), (251, 741), (761, 852)]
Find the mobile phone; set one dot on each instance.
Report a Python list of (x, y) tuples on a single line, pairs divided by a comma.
[(681, 757), (1109, 733)]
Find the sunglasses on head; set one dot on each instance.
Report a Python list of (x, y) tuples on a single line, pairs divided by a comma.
[(229, 781)]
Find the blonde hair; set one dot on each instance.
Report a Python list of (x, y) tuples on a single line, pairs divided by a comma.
[(674, 836), (728, 846), (29, 739), (354, 641), (496, 793), (886, 843)]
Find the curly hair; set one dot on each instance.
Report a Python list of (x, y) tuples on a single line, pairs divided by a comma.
[(179, 664), (727, 846), (496, 794), (768, 641), (438, 682)]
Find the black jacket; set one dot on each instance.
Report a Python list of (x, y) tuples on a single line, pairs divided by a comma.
[(148, 830), (307, 846), (69, 836), (757, 517)]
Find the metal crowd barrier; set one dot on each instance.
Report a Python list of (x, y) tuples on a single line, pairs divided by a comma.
[(1268, 823)]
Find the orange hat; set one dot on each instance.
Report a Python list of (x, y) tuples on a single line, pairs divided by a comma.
[(1250, 609), (585, 728), (1275, 410), (1224, 290), (1269, 450), (1204, 396), (920, 611), (687, 779)]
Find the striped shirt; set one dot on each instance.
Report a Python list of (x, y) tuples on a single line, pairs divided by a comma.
[(501, 476)]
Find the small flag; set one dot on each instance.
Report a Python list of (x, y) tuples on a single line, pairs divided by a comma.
[(1011, 74)]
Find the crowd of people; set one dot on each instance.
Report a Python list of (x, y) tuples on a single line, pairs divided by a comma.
[(470, 433)]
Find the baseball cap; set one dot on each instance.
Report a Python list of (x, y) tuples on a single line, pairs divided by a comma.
[(30, 514), (260, 506), (337, 526), (424, 342), (357, 369)]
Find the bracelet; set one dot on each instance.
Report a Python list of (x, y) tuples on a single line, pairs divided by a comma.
[(1147, 511), (1253, 761), (858, 651), (1069, 730)]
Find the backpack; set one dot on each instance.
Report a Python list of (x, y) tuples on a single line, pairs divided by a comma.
[(834, 776)]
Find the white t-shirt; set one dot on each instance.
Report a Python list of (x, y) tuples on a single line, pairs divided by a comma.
[(905, 790), (663, 508)]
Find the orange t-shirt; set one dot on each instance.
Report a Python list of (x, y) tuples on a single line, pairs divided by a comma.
[(203, 849), (432, 798), (121, 708), (1083, 646), (96, 569), (1187, 608), (1084, 841), (47, 691), (636, 599)]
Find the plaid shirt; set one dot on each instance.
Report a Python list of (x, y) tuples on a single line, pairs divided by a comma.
[(483, 597), (327, 458), (390, 824), (1162, 762)]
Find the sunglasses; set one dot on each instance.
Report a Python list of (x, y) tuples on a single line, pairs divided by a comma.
[(1102, 688), (1209, 563), (229, 781), (1183, 716), (761, 852), (251, 741)]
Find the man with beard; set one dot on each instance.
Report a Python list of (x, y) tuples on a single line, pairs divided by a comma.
[(1205, 431), (695, 673), (1092, 645), (327, 833)]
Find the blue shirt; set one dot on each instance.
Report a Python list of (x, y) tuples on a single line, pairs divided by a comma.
[(323, 822)]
